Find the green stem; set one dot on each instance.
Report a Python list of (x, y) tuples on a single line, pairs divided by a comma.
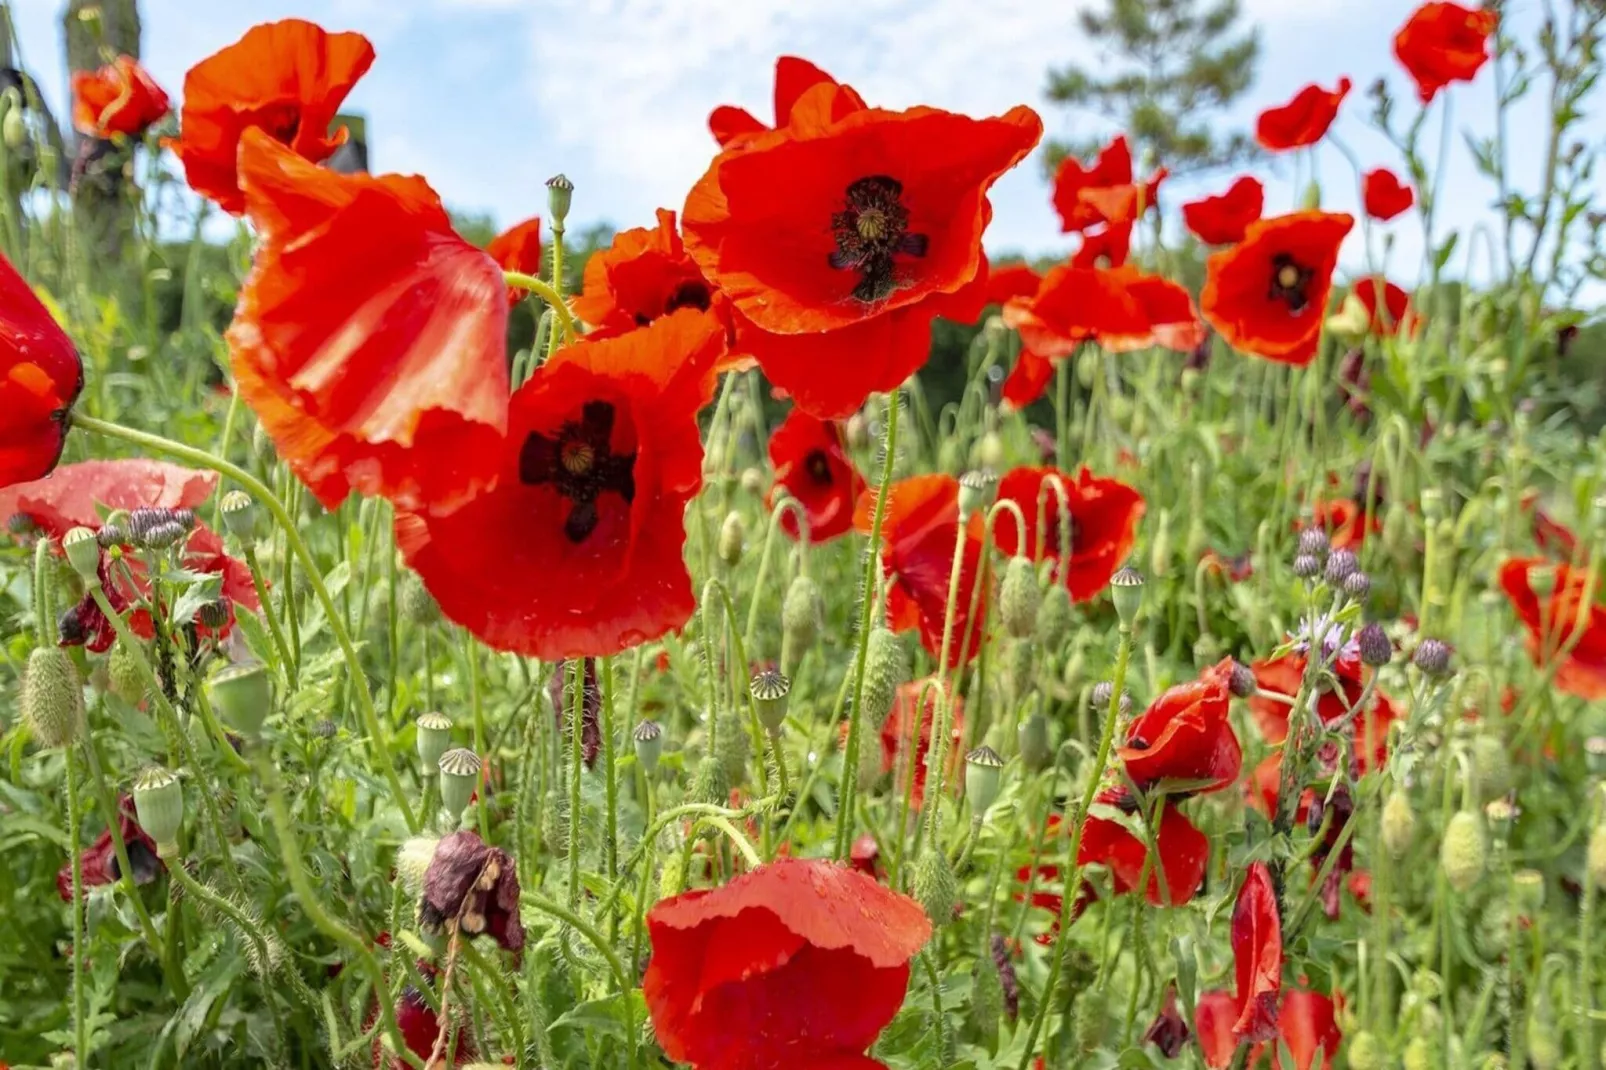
[(576, 727), (579, 925), (80, 1014), (550, 295), (290, 668)]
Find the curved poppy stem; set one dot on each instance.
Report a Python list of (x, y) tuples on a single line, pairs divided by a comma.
[(337, 625), (800, 517), (548, 293)]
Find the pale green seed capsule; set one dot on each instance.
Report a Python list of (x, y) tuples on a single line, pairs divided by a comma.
[(159, 805), (460, 777), (434, 740)]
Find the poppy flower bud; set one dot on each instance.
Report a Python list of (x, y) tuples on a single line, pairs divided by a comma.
[(460, 776), (1312, 200), (1432, 657), (986, 997), (83, 553), (1543, 1051), (416, 604), (52, 697), (1035, 750), (1528, 891), (753, 481), (1595, 855), (1126, 590), (1019, 597), (434, 740), (123, 677), (989, 453), (735, 747), (159, 805), (1420, 1054), (649, 742), (1432, 503), (1341, 564), (802, 614), (14, 127), (1491, 765), (1464, 852), (977, 490), (935, 887), (1019, 670), (1312, 541), (769, 690), (983, 776), (732, 538), (559, 196), (1399, 823), (1357, 585), (1054, 617), (1089, 1023), (886, 668), (1306, 566), (239, 515), (412, 862), (242, 695), (1366, 1052), (1375, 646), (709, 783), (856, 431), (1241, 681)]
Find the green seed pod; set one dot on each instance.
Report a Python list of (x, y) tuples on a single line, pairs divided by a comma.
[(412, 862), (649, 742), (123, 676), (52, 697), (886, 669), (559, 196), (984, 771), (935, 887), (1126, 589), (769, 690), (1366, 1052), (1089, 1024), (242, 694), (1399, 823), (414, 602), (989, 453), (159, 805), (802, 614), (240, 515), (977, 489), (83, 553), (1054, 617), (732, 538), (1465, 851), (1492, 766), (1595, 856), (460, 776), (1019, 597), (1035, 750), (434, 740)]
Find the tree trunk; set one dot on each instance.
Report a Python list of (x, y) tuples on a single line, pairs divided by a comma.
[(96, 32)]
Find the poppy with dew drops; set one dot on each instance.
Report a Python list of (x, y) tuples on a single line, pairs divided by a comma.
[(797, 960), (1184, 852), (1383, 195), (41, 377), (1186, 735), (812, 466), (576, 552), (287, 79), (78, 495), (370, 339), (1257, 953), (1267, 295), (120, 98), (1568, 615), (1444, 42), (1104, 515), (1303, 120), (1223, 218)]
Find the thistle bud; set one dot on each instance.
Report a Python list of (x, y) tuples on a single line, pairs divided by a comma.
[(770, 689), (802, 614), (434, 740), (1399, 823), (83, 553), (1312, 542), (242, 695), (214, 613), (649, 743), (935, 887), (1357, 585), (977, 489), (886, 668), (123, 676), (1103, 691), (159, 805), (983, 777), (1375, 646), (1432, 657), (1464, 852), (1306, 565), (239, 515), (52, 697), (559, 196), (732, 538), (1054, 617), (1242, 681), (1035, 750), (1491, 765), (1595, 856), (1341, 564), (1019, 597), (416, 605), (1126, 590), (460, 776)]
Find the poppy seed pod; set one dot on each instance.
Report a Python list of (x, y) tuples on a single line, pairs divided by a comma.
[(983, 777), (460, 776), (886, 668), (52, 697), (1035, 750), (934, 886), (1019, 597), (977, 490), (242, 695), (239, 515), (1399, 823), (159, 805), (559, 196), (802, 614), (1126, 590), (1054, 617), (649, 743), (1464, 852), (732, 538), (434, 740), (83, 553), (769, 690)]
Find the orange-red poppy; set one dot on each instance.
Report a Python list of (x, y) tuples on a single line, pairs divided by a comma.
[(79, 495), (1442, 43), (1235, 568), (1184, 851), (1213, 1018), (1186, 736), (920, 535), (1388, 312), (1308, 1021), (1303, 120), (1344, 521), (1104, 515), (909, 726), (1107, 246), (577, 551), (794, 77), (1257, 953), (370, 339), (41, 376), (1284, 676), (1383, 195), (518, 248), (796, 963), (1105, 192), (1552, 535), (1568, 616), (1010, 281), (1223, 218), (1026, 380), (1120, 308), (285, 78), (1267, 295), (120, 98), (812, 465)]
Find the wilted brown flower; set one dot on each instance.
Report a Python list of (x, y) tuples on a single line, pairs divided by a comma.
[(472, 888)]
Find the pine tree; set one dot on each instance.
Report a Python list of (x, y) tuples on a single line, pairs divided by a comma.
[(1167, 65)]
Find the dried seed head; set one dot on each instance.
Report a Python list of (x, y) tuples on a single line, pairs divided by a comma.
[(52, 697), (977, 489), (1054, 617), (1491, 766), (416, 605)]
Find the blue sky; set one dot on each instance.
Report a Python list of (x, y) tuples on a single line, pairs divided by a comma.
[(488, 98)]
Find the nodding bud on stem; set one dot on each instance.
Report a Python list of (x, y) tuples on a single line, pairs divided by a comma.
[(649, 742), (559, 195), (1019, 597), (1399, 823), (1054, 617), (1242, 680), (434, 740), (159, 805), (886, 668), (934, 886), (1126, 589), (52, 697), (769, 690), (83, 553), (242, 695), (977, 489), (416, 605), (732, 538), (983, 777), (460, 776)]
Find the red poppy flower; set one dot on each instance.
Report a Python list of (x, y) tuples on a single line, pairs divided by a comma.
[(1173, 321), (1106, 247), (40, 378), (1257, 953), (1568, 613), (1344, 521), (119, 98), (1184, 850), (1186, 735), (794, 77), (1283, 676), (1012, 280), (1120, 308), (1222, 219), (1442, 43), (577, 550), (1045, 898), (99, 861), (1383, 194), (812, 465), (866, 856), (285, 78), (1390, 314), (370, 338), (518, 248), (1552, 535), (78, 495), (1212, 1021), (1236, 568), (1104, 523), (920, 534), (898, 731), (421, 1030), (1307, 1022), (1303, 120), (793, 961), (1026, 380), (1267, 295), (1103, 193)]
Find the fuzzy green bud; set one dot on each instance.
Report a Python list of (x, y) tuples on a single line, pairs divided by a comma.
[(1054, 617), (1366, 1052), (1491, 764), (709, 784), (1543, 1051), (460, 776), (802, 614), (983, 776), (986, 996), (1528, 891), (935, 887), (240, 515), (1018, 667), (1035, 750), (123, 676), (886, 668), (1420, 1054), (1464, 852), (434, 740), (1399, 823), (769, 690), (649, 743), (1126, 589), (732, 538), (412, 862), (14, 129), (52, 697), (555, 824), (83, 553), (1089, 1024), (989, 453), (1019, 597), (159, 805), (735, 748), (242, 695), (414, 602)]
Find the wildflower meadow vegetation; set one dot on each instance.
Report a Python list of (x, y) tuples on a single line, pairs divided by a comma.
[(425, 653)]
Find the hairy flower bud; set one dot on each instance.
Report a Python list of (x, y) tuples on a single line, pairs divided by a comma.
[(1491, 765), (52, 697), (1464, 852), (242, 695), (1054, 617), (802, 614), (414, 602), (1312, 542), (1035, 750), (1018, 667), (1019, 597), (1306, 565), (935, 887), (123, 676), (1366, 1052), (886, 668), (1399, 823), (732, 538)]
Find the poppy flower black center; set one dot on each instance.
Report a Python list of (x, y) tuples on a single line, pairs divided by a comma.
[(1290, 282), (818, 466), (870, 231), (580, 464)]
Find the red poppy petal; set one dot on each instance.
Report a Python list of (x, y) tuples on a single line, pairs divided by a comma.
[(77, 495)]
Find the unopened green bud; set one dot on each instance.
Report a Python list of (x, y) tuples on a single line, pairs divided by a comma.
[(1366, 1052), (460, 777), (1399, 823), (123, 676), (1491, 765), (416, 605), (935, 887), (649, 742), (240, 515), (732, 538), (1126, 589), (1018, 669), (886, 668), (159, 805), (1528, 891), (412, 862), (1054, 617), (242, 695), (989, 453), (802, 614), (769, 690), (709, 783), (555, 824), (1035, 749), (735, 748), (14, 129), (983, 776), (1019, 597), (52, 697), (1464, 852), (1420, 1054), (1544, 1053), (1089, 1023), (434, 740), (83, 553)]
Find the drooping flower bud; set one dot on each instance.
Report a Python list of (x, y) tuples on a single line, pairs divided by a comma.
[(1464, 852), (1019, 597), (123, 676), (83, 553), (709, 783), (649, 742), (434, 740), (802, 614), (242, 694), (934, 886), (1374, 644), (414, 602), (1126, 590), (159, 805), (52, 697), (472, 888), (460, 777), (732, 538), (770, 690), (1399, 823), (1595, 855), (1366, 1052), (1242, 681), (983, 778), (1035, 750), (1018, 667)]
